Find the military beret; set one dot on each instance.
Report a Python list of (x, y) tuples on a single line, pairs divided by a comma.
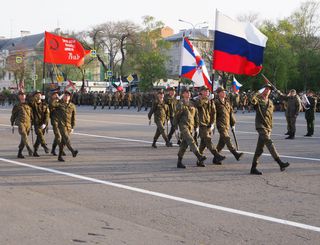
[(67, 92), (220, 89)]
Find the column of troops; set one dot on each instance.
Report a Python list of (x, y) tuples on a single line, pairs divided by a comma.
[(115, 100), (193, 117), (33, 115)]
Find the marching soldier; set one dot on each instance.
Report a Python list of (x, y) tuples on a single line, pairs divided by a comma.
[(109, 99), (224, 120), (172, 102), (187, 120), (66, 118), (139, 100), (40, 111), (207, 117), (161, 115), (116, 100), (310, 112), (22, 117), (95, 100), (129, 99), (264, 112), (121, 99), (54, 122), (103, 99)]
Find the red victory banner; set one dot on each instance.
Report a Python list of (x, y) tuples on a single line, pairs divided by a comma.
[(61, 50)]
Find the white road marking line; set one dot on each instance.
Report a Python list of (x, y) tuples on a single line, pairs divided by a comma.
[(149, 142), (170, 197)]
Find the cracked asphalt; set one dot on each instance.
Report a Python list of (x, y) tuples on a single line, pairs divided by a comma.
[(40, 207)]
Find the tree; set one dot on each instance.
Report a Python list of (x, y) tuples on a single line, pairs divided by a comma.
[(146, 54)]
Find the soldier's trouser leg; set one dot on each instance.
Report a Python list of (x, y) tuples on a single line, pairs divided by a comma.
[(65, 141), (57, 138), (160, 128), (129, 105), (288, 125), (172, 129), (187, 140), (24, 132), (205, 136), (264, 139), (156, 135), (310, 126), (292, 122)]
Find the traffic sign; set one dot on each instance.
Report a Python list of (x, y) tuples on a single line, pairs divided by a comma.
[(130, 78), (93, 53), (35, 77), (108, 74), (18, 59)]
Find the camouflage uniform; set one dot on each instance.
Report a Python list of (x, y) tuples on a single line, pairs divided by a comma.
[(224, 119), (129, 99), (40, 118), (310, 114), (187, 120), (22, 117), (172, 102), (263, 122), (66, 113), (139, 100), (207, 117), (55, 126), (161, 115)]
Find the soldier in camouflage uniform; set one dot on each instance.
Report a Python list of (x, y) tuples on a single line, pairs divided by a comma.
[(187, 120), (66, 115), (109, 99), (310, 113), (54, 122), (139, 100), (264, 113), (293, 108), (95, 100), (22, 117), (161, 116), (40, 121), (129, 99), (172, 102), (116, 96), (224, 120), (207, 118)]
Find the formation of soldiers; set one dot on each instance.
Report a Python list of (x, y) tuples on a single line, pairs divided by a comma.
[(192, 117), (196, 117), (115, 100), (34, 115)]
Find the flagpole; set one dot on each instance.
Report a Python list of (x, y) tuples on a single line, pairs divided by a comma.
[(43, 76)]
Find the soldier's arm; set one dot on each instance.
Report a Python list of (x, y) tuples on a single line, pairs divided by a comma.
[(14, 114), (73, 117), (47, 115), (177, 116), (213, 113), (196, 119), (232, 117), (151, 110)]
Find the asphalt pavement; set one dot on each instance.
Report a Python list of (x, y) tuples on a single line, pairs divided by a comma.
[(119, 190)]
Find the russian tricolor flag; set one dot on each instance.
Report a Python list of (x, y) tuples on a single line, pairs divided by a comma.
[(192, 65), (238, 47), (236, 85)]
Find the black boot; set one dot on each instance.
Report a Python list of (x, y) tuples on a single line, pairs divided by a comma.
[(30, 152), (168, 144), (287, 133), (46, 149), (53, 149), (218, 158), (290, 137), (74, 153), (180, 164), (282, 165), (201, 159), (237, 155), (35, 154), (20, 154), (254, 169), (154, 144)]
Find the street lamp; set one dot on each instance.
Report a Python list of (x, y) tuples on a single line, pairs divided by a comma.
[(193, 26)]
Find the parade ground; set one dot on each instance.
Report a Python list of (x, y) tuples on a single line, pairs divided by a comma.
[(119, 190)]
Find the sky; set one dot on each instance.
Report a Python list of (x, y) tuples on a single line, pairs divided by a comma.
[(38, 16)]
